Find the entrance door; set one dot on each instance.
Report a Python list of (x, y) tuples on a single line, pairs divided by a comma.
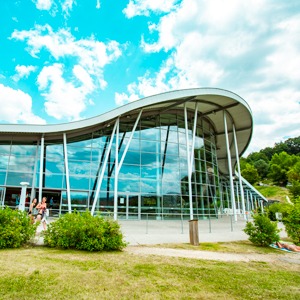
[(129, 206)]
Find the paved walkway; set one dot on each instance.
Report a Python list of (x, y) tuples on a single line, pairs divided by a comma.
[(162, 231)]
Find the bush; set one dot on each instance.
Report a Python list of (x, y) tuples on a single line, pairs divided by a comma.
[(16, 228), (262, 232), (84, 232), (283, 208), (292, 224)]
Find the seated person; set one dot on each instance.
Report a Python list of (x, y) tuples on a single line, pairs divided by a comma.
[(288, 247)]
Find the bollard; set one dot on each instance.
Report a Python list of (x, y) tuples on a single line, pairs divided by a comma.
[(194, 232)]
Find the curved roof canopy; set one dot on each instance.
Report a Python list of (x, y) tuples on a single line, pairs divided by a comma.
[(212, 103)]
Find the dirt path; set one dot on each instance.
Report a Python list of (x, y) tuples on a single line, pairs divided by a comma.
[(220, 256)]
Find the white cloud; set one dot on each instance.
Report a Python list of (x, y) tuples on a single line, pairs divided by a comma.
[(67, 5), (91, 54), (23, 72), (16, 107), (144, 7), (64, 99), (252, 50), (43, 4), (98, 4), (88, 57)]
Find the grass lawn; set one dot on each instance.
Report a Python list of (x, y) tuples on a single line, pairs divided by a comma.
[(273, 192), (43, 273)]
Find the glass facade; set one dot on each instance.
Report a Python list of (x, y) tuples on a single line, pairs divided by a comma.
[(148, 173)]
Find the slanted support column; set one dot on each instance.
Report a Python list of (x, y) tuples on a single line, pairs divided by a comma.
[(230, 169), (103, 169), (239, 173), (117, 172), (67, 173), (41, 169)]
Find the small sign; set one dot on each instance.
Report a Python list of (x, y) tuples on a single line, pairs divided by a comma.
[(122, 200), (278, 216)]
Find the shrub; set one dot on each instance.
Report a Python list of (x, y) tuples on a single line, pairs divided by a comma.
[(292, 224), (283, 208), (262, 232), (16, 228), (84, 232)]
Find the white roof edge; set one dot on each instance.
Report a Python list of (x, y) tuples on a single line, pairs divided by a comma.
[(139, 104)]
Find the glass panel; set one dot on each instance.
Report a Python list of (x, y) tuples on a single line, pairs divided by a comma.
[(150, 134), (150, 146), (130, 172), (79, 153), (53, 180), (172, 137), (14, 178), (87, 143), (21, 163), (171, 187), (79, 168), (54, 152), (149, 159), (150, 186), (125, 185), (5, 149), (132, 158), (53, 166), (2, 178), (23, 150), (3, 162), (171, 149), (79, 182)]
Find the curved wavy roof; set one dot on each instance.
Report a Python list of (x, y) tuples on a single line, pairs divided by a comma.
[(212, 103)]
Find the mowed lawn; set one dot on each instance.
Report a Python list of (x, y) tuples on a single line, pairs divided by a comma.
[(43, 273)]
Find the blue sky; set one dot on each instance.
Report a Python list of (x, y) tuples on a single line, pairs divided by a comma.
[(65, 60)]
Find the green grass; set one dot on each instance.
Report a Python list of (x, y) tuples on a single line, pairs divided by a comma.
[(273, 192), (40, 272)]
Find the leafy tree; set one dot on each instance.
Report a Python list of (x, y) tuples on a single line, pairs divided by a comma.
[(294, 172), (262, 168), (292, 224), (250, 173), (279, 167), (294, 189), (255, 156)]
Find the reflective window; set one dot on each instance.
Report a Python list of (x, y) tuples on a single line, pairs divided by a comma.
[(14, 178), (3, 162), (79, 182), (53, 180)]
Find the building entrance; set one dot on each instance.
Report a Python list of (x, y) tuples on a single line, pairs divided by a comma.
[(129, 206)]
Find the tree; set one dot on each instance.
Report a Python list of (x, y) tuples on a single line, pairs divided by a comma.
[(262, 168), (280, 165), (250, 173)]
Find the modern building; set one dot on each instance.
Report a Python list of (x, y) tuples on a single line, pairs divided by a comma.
[(173, 155)]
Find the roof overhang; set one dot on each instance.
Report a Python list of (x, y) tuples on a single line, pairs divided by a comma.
[(213, 103)]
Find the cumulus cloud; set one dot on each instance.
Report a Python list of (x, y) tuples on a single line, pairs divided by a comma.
[(64, 99), (88, 57), (16, 107), (252, 50), (98, 4), (23, 72), (144, 7), (43, 4)]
